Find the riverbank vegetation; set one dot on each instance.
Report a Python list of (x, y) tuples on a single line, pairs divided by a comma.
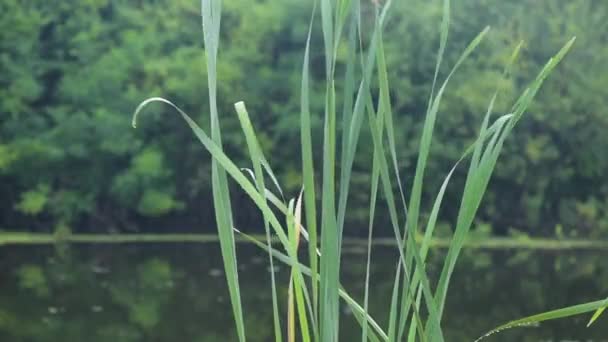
[(70, 74)]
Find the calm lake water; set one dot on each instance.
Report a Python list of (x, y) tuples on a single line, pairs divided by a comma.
[(177, 292)]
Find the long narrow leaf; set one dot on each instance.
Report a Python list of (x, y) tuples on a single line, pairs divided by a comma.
[(547, 316), (256, 157)]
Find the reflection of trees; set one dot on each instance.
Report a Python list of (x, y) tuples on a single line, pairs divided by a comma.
[(177, 293)]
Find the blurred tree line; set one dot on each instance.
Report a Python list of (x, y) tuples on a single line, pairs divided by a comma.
[(71, 73)]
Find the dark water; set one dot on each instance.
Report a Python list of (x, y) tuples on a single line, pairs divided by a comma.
[(177, 292)]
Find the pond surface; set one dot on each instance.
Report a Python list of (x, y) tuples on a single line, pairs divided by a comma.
[(177, 292)]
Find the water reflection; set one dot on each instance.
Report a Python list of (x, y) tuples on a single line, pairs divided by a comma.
[(176, 292)]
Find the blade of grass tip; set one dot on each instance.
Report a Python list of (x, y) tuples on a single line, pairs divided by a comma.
[(443, 39), (283, 209), (301, 230), (330, 260), (486, 119), (477, 182), (392, 317), (308, 173), (547, 316), (237, 175), (273, 178), (257, 156), (211, 16), (296, 300), (596, 315), (357, 310), (328, 36), (306, 301)]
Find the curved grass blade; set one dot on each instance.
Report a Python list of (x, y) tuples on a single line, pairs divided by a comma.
[(238, 176), (547, 316)]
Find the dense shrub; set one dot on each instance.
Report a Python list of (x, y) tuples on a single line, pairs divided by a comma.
[(71, 73)]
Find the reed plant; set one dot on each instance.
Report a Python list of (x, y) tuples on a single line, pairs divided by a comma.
[(315, 293)]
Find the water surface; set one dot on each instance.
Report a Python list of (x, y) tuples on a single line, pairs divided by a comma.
[(177, 292)]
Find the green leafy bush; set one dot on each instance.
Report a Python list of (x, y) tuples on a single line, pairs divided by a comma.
[(70, 73)]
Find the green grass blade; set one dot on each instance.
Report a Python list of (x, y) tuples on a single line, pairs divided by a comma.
[(372, 212), (347, 114), (257, 156), (385, 104), (308, 172), (327, 26), (444, 31), (296, 283), (547, 316), (597, 314), (329, 313), (330, 260), (301, 286), (211, 16)]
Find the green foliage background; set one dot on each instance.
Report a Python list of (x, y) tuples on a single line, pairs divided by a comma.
[(72, 72)]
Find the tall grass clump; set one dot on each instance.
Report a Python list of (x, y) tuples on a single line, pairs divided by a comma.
[(315, 294)]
